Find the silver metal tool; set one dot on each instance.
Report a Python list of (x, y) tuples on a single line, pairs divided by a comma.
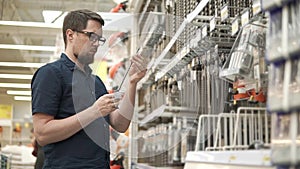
[(126, 73)]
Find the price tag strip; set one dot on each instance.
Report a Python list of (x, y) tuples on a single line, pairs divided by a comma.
[(224, 13), (212, 24), (235, 26), (245, 17)]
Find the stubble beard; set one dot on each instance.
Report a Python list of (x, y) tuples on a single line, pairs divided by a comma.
[(85, 59)]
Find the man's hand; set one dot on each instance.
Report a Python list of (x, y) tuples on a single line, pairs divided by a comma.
[(138, 69), (106, 104)]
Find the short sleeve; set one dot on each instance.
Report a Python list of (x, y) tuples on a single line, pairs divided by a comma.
[(46, 90)]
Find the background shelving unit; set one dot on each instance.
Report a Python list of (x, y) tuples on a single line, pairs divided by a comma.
[(206, 78), (284, 80)]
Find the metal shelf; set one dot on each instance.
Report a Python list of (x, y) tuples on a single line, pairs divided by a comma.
[(169, 111), (189, 18), (245, 159), (176, 59), (146, 166)]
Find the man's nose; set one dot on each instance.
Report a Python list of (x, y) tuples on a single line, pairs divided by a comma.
[(96, 43)]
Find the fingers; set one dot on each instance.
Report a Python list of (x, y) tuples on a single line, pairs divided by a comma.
[(116, 104), (118, 95), (109, 103), (112, 98), (139, 62)]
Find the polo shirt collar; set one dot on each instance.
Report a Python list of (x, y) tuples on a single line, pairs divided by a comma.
[(71, 65)]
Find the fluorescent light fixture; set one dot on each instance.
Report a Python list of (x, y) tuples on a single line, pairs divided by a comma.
[(113, 22), (15, 76), (22, 64), (118, 1), (16, 85), (39, 55), (50, 16), (28, 47), (22, 98), (19, 92), (31, 24), (60, 20)]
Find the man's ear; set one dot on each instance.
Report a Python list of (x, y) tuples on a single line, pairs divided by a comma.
[(70, 34)]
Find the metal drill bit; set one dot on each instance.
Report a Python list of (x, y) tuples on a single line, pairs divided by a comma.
[(126, 73)]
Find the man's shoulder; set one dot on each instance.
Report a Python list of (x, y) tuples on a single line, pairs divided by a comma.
[(50, 69), (55, 64)]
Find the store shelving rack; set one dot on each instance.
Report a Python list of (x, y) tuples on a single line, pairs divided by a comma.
[(232, 139), (284, 104), (162, 65)]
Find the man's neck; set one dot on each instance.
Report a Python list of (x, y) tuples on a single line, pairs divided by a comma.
[(75, 60)]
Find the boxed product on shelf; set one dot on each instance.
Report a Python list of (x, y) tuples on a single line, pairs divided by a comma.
[(275, 89), (285, 138)]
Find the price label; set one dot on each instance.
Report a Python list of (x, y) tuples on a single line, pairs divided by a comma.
[(212, 24), (194, 75), (199, 32), (245, 17), (224, 13), (256, 72), (234, 26), (204, 31), (193, 43), (256, 7)]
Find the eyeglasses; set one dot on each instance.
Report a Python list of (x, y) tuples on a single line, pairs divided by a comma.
[(93, 37)]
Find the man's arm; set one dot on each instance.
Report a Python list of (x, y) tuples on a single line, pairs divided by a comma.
[(49, 130), (120, 119)]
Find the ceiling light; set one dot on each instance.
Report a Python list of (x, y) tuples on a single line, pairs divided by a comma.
[(22, 98), (15, 76), (50, 16), (18, 92), (15, 85), (31, 24), (60, 19), (22, 64), (28, 47), (113, 22), (118, 1)]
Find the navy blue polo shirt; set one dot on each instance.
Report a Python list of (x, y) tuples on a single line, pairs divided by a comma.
[(61, 89)]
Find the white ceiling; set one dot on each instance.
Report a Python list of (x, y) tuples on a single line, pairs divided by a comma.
[(31, 11)]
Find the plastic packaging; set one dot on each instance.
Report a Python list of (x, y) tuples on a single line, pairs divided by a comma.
[(248, 48), (283, 152), (275, 89), (294, 28), (274, 36), (294, 85)]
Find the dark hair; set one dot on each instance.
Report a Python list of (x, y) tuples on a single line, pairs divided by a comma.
[(77, 20)]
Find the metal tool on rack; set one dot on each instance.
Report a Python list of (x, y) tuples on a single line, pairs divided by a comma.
[(245, 68), (188, 137), (233, 131), (285, 150), (193, 70)]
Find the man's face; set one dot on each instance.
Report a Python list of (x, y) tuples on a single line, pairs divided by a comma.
[(85, 48)]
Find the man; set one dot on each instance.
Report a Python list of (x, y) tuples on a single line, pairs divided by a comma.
[(71, 108)]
